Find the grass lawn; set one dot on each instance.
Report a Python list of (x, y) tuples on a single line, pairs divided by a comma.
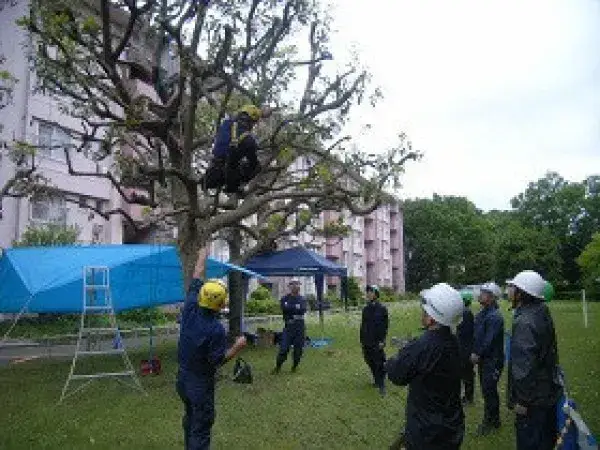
[(328, 404)]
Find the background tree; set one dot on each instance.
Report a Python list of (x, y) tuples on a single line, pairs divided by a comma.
[(159, 137), (589, 261), (570, 211), (518, 247), (446, 239)]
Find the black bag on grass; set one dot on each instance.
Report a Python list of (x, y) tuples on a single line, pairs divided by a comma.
[(242, 372)]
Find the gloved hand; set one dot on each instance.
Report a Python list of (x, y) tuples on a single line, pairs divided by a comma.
[(382, 344), (474, 358), (520, 409)]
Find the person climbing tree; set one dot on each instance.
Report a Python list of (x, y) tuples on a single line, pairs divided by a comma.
[(235, 151)]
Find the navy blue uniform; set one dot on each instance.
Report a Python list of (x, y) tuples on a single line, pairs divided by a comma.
[(532, 376), (373, 332), (201, 350), (489, 346), (430, 366), (235, 159), (465, 333), (293, 308)]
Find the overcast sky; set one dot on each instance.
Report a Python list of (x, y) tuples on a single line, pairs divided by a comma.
[(495, 93)]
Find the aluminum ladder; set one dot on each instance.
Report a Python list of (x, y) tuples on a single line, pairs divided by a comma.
[(97, 300)]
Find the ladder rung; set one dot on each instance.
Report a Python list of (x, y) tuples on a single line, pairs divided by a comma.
[(102, 375), (115, 351), (97, 286), (98, 308)]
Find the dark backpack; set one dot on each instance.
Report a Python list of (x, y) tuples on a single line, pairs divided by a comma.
[(242, 372)]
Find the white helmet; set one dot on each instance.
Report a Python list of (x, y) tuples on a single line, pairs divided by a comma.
[(443, 304), (530, 282), (492, 288)]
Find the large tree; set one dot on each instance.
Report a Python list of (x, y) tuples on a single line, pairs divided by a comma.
[(518, 247), (589, 261), (568, 210), (224, 53), (446, 239)]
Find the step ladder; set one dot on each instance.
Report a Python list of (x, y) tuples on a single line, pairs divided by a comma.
[(97, 300)]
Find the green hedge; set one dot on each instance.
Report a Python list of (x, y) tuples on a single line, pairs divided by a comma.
[(262, 302), (258, 307)]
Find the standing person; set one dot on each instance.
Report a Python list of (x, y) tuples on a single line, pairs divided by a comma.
[(373, 334), (202, 349), (532, 368), (488, 354), (430, 366), (293, 307), (465, 333)]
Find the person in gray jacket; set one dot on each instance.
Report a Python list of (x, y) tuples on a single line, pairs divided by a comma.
[(534, 388)]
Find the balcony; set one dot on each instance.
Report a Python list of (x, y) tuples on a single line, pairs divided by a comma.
[(333, 247), (371, 256), (370, 233)]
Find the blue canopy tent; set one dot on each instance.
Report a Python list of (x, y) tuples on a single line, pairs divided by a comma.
[(299, 261)]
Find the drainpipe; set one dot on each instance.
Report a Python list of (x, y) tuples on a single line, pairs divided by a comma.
[(24, 116)]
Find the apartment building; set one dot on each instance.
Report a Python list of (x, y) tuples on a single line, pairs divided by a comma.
[(32, 117), (372, 250)]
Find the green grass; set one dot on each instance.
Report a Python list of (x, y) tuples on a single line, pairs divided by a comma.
[(328, 404)]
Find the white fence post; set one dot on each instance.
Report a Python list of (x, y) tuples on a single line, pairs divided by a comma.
[(584, 306)]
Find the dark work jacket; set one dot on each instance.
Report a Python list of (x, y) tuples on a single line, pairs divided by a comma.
[(532, 368), (374, 324), (201, 349), (465, 333), (234, 138), (430, 366), (488, 343), (293, 306)]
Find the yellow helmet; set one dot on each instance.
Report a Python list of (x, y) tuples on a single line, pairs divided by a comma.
[(254, 112), (213, 295)]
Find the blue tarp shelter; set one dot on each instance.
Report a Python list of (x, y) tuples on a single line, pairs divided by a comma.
[(50, 279)]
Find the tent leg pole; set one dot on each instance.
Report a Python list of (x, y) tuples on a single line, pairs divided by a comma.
[(15, 322)]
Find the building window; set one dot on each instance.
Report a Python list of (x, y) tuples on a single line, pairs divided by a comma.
[(52, 141), (49, 210), (97, 233)]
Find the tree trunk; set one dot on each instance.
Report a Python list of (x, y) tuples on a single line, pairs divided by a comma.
[(236, 285), (189, 242)]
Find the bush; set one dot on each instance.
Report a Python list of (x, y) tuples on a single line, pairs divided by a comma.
[(311, 299), (262, 302), (261, 293), (387, 294), (407, 296), (143, 316), (257, 307), (355, 294), (333, 300), (48, 235)]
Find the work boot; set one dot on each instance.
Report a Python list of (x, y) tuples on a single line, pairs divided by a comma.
[(276, 370), (467, 401), (294, 367), (382, 391)]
